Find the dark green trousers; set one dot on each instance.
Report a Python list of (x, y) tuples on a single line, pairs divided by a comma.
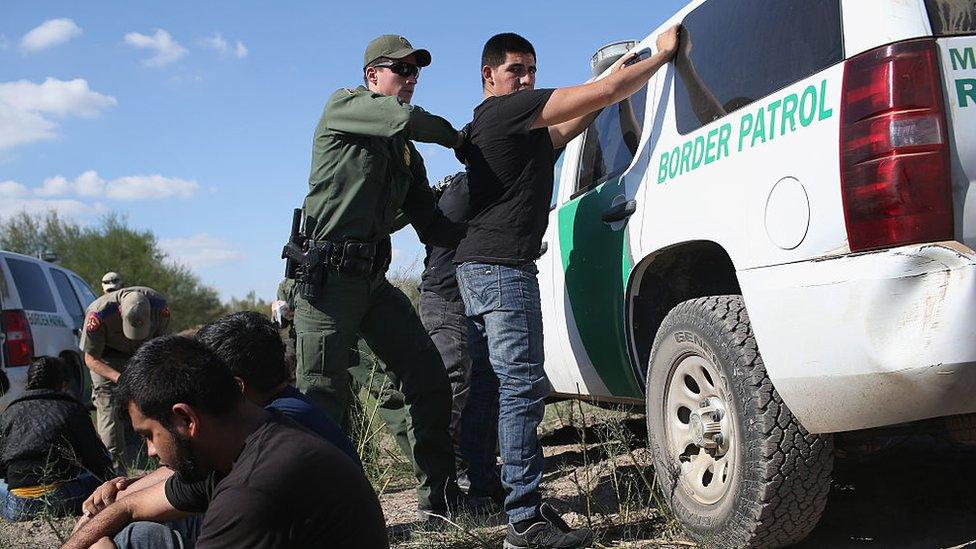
[(383, 316), (391, 406)]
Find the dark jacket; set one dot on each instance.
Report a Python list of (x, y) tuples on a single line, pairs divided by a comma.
[(46, 437)]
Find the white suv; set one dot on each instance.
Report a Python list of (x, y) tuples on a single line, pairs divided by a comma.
[(43, 309), (773, 242)]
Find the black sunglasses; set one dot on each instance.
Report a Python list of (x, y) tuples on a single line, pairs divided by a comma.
[(400, 68)]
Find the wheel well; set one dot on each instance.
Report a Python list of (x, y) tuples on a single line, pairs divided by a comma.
[(664, 279)]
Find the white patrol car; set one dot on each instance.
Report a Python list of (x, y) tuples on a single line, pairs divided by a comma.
[(43, 308), (770, 243)]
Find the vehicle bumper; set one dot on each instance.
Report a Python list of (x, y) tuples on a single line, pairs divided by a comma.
[(869, 339)]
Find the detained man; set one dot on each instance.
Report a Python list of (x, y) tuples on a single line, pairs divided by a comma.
[(510, 154)]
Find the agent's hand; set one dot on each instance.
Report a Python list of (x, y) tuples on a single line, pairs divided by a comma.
[(667, 41), (105, 495)]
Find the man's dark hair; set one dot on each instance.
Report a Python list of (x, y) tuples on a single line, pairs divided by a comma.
[(47, 372), (176, 369), (249, 344), (499, 46)]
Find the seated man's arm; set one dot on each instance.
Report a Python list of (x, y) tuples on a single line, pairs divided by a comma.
[(147, 504), (567, 104), (120, 487)]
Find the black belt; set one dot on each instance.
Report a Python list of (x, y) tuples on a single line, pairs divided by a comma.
[(354, 257)]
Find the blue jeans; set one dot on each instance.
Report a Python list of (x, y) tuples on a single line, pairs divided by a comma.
[(180, 534), (503, 303), (65, 500)]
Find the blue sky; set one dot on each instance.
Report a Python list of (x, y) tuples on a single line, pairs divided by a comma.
[(195, 119)]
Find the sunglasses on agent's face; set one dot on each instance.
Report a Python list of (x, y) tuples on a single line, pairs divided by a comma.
[(401, 68)]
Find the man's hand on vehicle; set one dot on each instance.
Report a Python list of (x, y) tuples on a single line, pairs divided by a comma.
[(667, 41)]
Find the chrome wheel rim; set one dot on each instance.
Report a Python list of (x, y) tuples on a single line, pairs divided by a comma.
[(699, 429)]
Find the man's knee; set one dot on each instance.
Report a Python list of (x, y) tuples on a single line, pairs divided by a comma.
[(148, 535)]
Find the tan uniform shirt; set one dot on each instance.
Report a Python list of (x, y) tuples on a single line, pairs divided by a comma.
[(103, 335)]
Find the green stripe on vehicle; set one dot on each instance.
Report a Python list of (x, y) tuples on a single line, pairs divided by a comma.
[(596, 263)]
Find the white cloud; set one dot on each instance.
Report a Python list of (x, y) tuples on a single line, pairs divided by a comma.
[(60, 97), (12, 189), (89, 184), (24, 107), (146, 187), (130, 188), (219, 44), (216, 43), (65, 207), (53, 186), (200, 250), (19, 127), (49, 34), (166, 49)]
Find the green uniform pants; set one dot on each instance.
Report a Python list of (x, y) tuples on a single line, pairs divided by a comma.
[(383, 316), (391, 405)]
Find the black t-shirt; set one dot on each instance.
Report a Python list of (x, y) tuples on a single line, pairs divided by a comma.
[(509, 179), (439, 269), (287, 488)]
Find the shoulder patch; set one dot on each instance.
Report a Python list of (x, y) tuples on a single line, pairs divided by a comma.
[(92, 323)]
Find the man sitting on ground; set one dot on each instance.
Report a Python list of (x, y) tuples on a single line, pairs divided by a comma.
[(250, 345), (261, 480)]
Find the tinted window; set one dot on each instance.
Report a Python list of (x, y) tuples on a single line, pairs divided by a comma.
[(743, 50), (557, 172), (84, 292), (951, 16), (35, 294), (611, 142), (4, 291), (68, 296)]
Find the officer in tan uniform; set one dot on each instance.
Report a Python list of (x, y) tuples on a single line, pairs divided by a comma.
[(116, 324)]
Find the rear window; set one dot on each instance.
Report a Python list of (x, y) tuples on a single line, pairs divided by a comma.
[(32, 286), (743, 50), (68, 296), (951, 16), (87, 296)]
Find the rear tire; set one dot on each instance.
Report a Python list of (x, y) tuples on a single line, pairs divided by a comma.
[(735, 466)]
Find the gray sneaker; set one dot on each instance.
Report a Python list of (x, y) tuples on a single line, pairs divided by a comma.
[(548, 531)]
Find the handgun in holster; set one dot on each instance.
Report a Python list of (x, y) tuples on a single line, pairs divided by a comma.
[(304, 263)]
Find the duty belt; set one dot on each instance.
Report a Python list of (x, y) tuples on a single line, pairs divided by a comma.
[(353, 257)]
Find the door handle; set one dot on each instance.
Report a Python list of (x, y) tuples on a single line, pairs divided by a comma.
[(620, 212)]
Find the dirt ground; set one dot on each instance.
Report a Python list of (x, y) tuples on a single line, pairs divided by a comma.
[(917, 492)]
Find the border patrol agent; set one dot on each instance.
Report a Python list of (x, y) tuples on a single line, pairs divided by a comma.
[(365, 171), (116, 324)]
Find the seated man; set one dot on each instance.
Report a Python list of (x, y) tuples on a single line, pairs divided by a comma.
[(261, 480), (50, 456), (250, 345)]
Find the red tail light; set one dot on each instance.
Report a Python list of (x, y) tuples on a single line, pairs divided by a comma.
[(894, 148), (20, 342)]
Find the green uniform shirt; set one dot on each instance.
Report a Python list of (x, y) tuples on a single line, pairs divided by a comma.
[(103, 323), (365, 170)]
